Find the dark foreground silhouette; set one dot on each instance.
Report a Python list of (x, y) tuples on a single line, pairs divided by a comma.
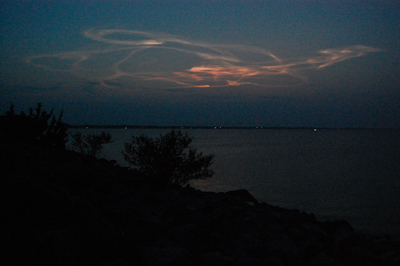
[(59, 207)]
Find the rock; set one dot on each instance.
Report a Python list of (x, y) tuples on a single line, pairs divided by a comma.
[(179, 234), (308, 217), (243, 194), (117, 263), (215, 259), (160, 256), (272, 261), (248, 260), (283, 247), (335, 226), (57, 245), (323, 259), (170, 196), (339, 230), (76, 210), (194, 203)]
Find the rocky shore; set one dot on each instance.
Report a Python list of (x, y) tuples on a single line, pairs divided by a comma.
[(63, 208)]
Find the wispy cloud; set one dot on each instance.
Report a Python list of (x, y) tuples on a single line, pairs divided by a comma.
[(173, 62)]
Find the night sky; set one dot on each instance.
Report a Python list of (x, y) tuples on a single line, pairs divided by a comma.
[(204, 63)]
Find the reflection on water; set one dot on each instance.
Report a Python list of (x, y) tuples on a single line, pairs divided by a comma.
[(336, 174)]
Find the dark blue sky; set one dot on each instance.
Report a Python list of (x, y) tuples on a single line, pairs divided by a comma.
[(204, 63)]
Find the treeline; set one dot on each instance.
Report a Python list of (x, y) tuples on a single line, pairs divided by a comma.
[(218, 127), (36, 126), (168, 159), (178, 127)]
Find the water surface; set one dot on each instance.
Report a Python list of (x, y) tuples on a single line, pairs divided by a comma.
[(335, 174)]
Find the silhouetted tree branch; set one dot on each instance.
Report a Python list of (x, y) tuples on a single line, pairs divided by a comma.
[(90, 144), (168, 159), (34, 127)]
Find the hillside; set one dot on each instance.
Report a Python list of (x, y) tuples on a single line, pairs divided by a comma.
[(63, 208)]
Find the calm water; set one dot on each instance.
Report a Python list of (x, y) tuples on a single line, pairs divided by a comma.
[(335, 174)]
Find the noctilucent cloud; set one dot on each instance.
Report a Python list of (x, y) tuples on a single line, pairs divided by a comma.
[(205, 63)]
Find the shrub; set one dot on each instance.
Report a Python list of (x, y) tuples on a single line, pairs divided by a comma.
[(90, 144), (168, 159), (34, 127)]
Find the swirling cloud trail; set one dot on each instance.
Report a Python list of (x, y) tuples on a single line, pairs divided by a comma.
[(175, 62)]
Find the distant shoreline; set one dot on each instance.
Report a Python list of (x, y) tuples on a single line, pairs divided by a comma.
[(219, 127)]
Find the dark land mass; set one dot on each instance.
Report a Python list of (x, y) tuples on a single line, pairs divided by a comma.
[(62, 208)]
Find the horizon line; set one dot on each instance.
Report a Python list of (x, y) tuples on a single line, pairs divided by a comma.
[(87, 126)]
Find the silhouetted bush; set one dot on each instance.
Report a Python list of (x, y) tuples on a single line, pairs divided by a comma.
[(168, 159), (90, 144), (36, 127)]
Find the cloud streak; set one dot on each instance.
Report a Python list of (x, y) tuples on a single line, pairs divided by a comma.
[(136, 57)]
